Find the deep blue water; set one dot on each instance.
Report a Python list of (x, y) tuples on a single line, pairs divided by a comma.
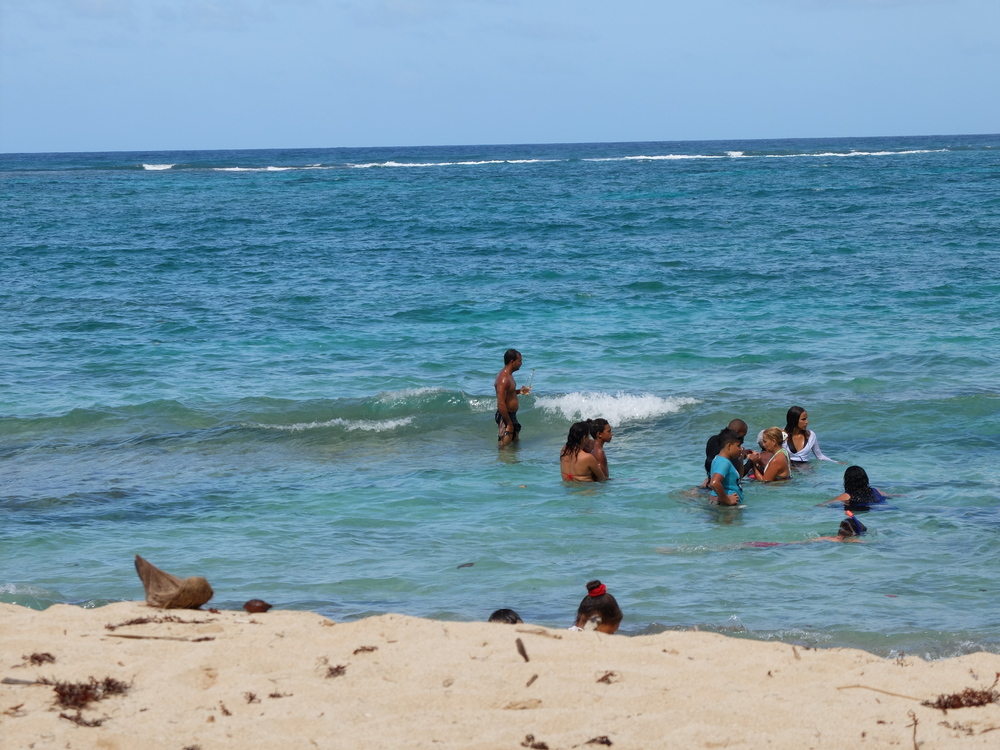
[(274, 369)]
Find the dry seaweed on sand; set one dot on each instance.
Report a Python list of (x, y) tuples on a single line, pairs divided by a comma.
[(533, 744), (338, 671), (38, 659), (80, 694), (155, 621), (78, 719), (968, 698)]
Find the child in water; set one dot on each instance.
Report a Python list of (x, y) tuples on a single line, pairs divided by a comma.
[(857, 492), (598, 608)]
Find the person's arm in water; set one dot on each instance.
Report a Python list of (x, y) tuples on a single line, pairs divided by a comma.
[(843, 498), (819, 454), (715, 484)]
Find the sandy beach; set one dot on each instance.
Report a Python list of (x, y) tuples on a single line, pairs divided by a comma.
[(210, 679)]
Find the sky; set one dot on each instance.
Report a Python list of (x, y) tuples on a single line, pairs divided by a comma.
[(130, 75)]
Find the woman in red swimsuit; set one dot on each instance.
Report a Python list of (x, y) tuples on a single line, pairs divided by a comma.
[(575, 464)]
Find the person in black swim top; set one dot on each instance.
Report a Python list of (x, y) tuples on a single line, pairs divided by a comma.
[(857, 491)]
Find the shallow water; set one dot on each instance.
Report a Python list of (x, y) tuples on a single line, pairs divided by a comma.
[(274, 369)]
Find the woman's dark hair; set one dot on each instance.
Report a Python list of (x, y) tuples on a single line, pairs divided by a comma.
[(792, 421), (856, 485), (603, 605), (597, 426), (579, 433), (508, 616)]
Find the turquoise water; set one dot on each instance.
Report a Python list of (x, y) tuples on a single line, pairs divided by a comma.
[(274, 369)]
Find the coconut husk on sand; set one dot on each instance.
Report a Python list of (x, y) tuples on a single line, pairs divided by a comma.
[(166, 591)]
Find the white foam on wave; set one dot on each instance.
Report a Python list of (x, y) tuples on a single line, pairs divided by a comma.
[(661, 157), (157, 167), (23, 590), (368, 425), (369, 165), (616, 408), (826, 154), (743, 155)]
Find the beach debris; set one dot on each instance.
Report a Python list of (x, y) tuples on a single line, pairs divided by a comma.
[(521, 650), (466, 565), (531, 742), (540, 631), (338, 671), (255, 606), (523, 705), (365, 649), (531, 681), (609, 677), (968, 698), (280, 695), (602, 740), (214, 611), (914, 725), (78, 719), (878, 690), (38, 659), (225, 711), (166, 591), (192, 747), (15, 681), (162, 637), (155, 621), (81, 694), (15, 711), (251, 697)]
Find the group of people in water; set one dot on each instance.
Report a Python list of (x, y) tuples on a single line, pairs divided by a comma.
[(727, 464)]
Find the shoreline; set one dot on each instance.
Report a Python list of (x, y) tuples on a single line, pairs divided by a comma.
[(208, 679)]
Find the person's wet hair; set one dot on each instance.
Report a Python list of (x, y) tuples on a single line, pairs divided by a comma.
[(579, 434), (856, 485), (728, 437), (510, 355), (597, 426), (600, 603), (508, 616), (851, 527), (792, 420)]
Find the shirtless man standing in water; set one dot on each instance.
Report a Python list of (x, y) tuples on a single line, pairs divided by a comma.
[(507, 392)]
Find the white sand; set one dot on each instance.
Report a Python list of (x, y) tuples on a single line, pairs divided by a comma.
[(434, 684)]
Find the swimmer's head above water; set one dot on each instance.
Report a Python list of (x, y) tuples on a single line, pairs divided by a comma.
[(851, 527), (600, 605)]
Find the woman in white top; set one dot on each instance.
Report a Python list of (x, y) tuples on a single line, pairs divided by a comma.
[(800, 442)]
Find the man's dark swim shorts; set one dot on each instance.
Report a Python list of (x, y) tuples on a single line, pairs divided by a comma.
[(513, 418)]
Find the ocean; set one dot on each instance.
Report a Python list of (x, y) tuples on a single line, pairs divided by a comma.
[(275, 369)]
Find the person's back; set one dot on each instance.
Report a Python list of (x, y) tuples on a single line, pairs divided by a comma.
[(575, 464)]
